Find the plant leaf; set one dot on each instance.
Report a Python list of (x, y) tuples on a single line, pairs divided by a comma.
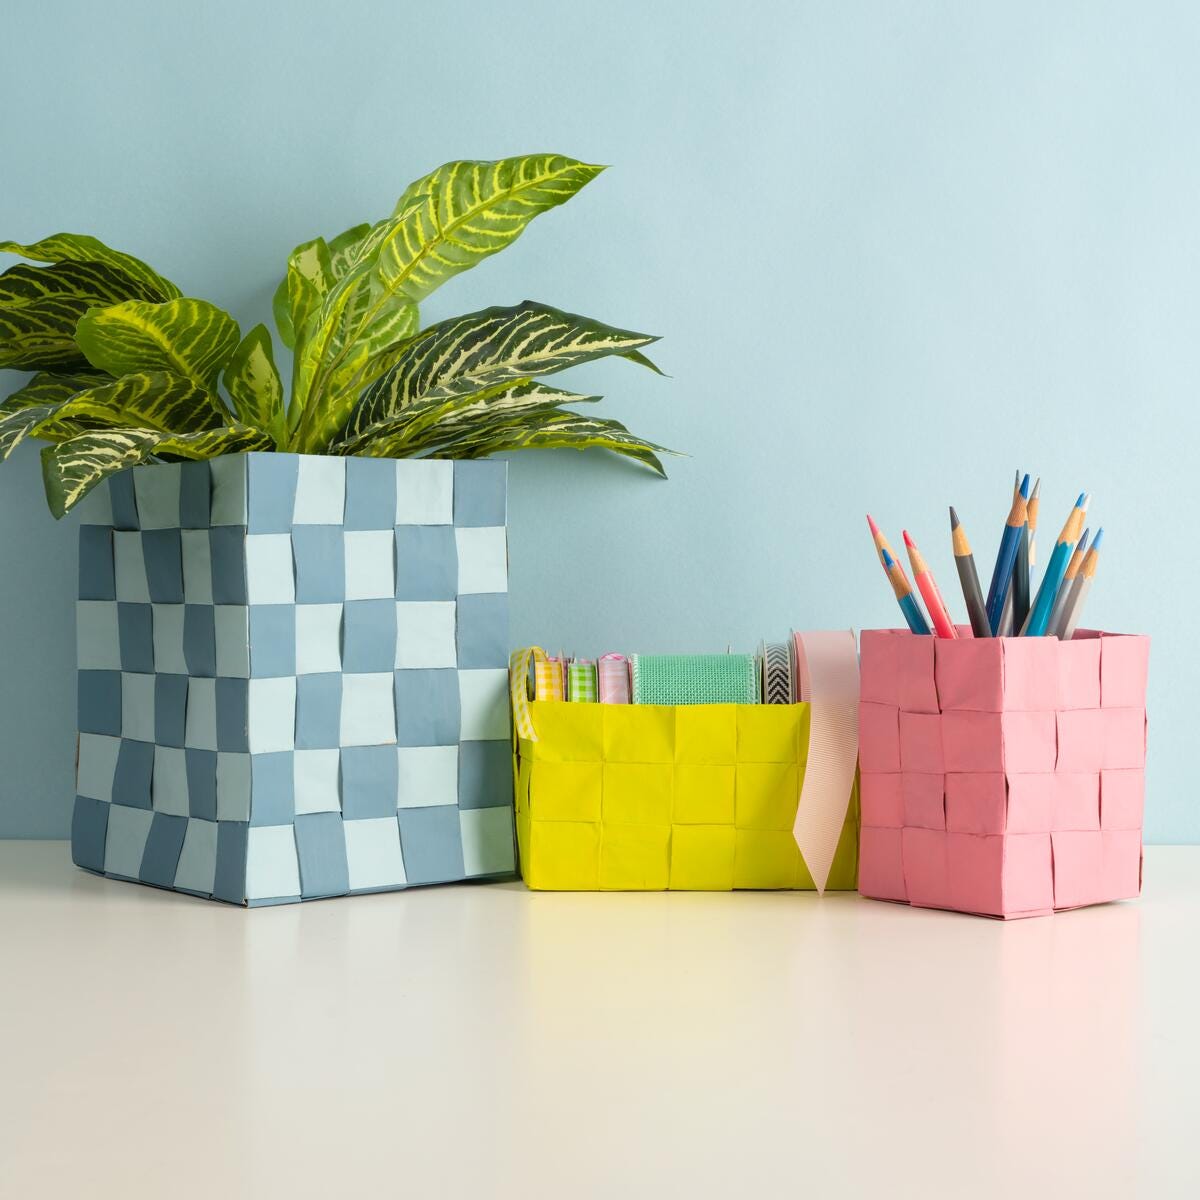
[(342, 249), (80, 247), (155, 400), (40, 335), (299, 294), (23, 284), (483, 349), (186, 337), (253, 383), (446, 222), (48, 387), (71, 469), (16, 426), (435, 420)]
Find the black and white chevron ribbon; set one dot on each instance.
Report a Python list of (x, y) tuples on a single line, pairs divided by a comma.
[(777, 673)]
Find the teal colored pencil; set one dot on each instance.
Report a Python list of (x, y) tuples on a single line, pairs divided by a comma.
[(1006, 557), (904, 593), (1039, 614)]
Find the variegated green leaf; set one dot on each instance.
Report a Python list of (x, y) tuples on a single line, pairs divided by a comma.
[(48, 387), (253, 383), (430, 422), (483, 349), (300, 292), (186, 337), (71, 469), (16, 426), (565, 429), (446, 222), (24, 284), (80, 247), (156, 400), (343, 249), (40, 335)]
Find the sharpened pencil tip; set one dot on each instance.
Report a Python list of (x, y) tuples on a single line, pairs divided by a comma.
[(953, 518), (1099, 539), (887, 558), (873, 527), (1025, 488), (907, 540), (1037, 487), (1082, 502)]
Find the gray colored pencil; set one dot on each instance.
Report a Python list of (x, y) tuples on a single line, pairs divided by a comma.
[(968, 577), (1079, 593), (1065, 589)]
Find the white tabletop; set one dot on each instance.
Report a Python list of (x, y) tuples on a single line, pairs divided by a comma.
[(489, 1041)]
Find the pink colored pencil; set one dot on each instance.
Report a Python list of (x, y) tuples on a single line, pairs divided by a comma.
[(938, 613)]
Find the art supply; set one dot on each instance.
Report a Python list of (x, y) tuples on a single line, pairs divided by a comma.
[(1080, 589), (1055, 623), (613, 671), (968, 578), (1007, 556), (695, 679), (938, 613), (581, 681), (548, 679), (1006, 617), (1039, 614), (1019, 588), (904, 594), (1031, 517), (777, 685)]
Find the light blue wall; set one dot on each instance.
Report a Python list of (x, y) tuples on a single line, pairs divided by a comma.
[(894, 251)]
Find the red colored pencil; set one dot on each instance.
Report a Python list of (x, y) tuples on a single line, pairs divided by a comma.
[(938, 614)]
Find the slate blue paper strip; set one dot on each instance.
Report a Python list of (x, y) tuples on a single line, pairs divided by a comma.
[(229, 883), (480, 494), (427, 707), (227, 544), (321, 848), (483, 630), (272, 492), (163, 845), (201, 768), (100, 702), (370, 493), (162, 550), (135, 627), (319, 551), (200, 640), (195, 495), (272, 640), (272, 788), (484, 775), (319, 711), (370, 781), (170, 709), (369, 636), (97, 576), (128, 829), (124, 501), (89, 828), (426, 562), (134, 773), (232, 714), (431, 841)]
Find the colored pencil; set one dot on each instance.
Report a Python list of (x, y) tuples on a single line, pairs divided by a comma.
[(1079, 592), (1055, 621), (904, 594), (1006, 621), (968, 577), (1039, 614), (1006, 557), (1020, 577), (1032, 517), (938, 613)]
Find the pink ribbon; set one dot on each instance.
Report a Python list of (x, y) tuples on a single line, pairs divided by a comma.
[(827, 678)]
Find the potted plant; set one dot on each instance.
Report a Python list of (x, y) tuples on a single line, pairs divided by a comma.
[(292, 621)]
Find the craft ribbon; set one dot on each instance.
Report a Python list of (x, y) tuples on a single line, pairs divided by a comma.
[(581, 681), (695, 679), (518, 688), (776, 673), (548, 682), (614, 679), (827, 679)]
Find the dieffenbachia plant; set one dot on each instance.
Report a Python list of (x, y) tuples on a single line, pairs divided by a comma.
[(128, 370)]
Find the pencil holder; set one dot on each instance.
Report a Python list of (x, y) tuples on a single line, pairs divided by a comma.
[(697, 796), (1002, 776)]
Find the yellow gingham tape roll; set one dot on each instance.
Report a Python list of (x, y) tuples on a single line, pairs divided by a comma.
[(518, 687)]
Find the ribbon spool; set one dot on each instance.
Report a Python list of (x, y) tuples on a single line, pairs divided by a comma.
[(777, 686), (613, 671)]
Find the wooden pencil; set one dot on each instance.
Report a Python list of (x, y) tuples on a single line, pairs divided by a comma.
[(1032, 518), (904, 594), (1079, 592), (1055, 622), (1020, 576), (968, 578), (1006, 557), (938, 613), (1039, 614)]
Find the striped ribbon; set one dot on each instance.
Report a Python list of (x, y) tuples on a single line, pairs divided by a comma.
[(614, 679), (518, 688), (581, 681), (827, 678), (776, 673)]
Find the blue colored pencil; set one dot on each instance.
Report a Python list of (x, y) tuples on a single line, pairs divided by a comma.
[(904, 593), (1039, 614), (1006, 557)]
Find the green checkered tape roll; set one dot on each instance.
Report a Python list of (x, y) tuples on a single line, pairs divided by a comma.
[(695, 679), (581, 681)]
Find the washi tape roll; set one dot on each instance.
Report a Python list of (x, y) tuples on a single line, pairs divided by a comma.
[(776, 673), (613, 670), (581, 681), (548, 679)]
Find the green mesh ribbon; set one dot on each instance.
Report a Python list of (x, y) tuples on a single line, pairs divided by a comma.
[(695, 679)]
